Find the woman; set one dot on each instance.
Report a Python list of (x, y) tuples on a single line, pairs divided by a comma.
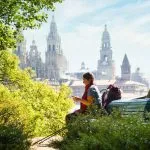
[(91, 96)]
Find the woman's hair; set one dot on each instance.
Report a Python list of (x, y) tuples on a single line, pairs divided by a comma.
[(88, 76)]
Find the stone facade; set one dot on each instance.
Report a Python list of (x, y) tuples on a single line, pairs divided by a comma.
[(106, 67)]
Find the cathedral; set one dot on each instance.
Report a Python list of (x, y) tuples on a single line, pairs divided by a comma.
[(55, 65), (106, 67)]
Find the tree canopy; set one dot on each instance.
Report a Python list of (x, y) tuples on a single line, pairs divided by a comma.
[(16, 15)]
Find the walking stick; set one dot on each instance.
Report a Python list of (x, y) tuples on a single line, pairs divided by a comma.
[(49, 136)]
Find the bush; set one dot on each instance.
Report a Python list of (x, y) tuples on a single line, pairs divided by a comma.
[(33, 108), (12, 137), (113, 132)]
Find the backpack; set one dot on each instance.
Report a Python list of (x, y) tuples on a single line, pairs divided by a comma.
[(112, 93)]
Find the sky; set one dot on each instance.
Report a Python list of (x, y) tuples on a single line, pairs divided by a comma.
[(80, 24)]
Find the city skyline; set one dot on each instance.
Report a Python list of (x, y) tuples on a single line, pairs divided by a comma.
[(81, 24)]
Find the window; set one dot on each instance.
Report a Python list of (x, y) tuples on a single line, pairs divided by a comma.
[(53, 47)]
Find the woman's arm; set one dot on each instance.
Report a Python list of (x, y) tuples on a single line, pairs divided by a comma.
[(87, 102)]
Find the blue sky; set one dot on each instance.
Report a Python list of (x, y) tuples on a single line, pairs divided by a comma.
[(80, 24)]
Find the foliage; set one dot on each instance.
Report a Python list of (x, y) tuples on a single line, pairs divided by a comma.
[(29, 107), (12, 137), (7, 37), (16, 15), (103, 132)]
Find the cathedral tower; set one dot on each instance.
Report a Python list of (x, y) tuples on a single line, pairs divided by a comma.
[(55, 61), (106, 69), (125, 69), (34, 60)]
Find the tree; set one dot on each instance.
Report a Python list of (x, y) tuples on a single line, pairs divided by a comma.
[(16, 15), (27, 107)]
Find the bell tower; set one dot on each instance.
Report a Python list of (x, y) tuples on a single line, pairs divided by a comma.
[(106, 69), (55, 61)]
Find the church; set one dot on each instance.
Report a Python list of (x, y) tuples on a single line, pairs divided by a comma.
[(106, 66), (55, 65)]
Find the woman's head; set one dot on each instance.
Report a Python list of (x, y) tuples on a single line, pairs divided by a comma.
[(88, 78)]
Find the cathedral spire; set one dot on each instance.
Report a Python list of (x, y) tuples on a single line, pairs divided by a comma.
[(53, 26), (55, 61), (125, 69), (33, 42), (106, 68), (105, 27), (125, 61), (106, 39)]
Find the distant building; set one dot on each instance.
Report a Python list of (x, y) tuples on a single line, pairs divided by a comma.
[(34, 60), (82, 70), (130, 87), (125, 69), (138, 77), (21, 53), (55, 65), (106, 68)]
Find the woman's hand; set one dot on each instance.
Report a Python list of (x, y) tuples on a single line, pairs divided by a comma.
[(76, 99)]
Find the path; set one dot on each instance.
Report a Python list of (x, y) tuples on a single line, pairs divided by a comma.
[(45, 145)]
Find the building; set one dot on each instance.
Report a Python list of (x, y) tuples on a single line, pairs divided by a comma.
[(129, 87), (21, 53), (55, 65), (34, 60), (138, 77), (83, 69), (106, 67), (125, 69)]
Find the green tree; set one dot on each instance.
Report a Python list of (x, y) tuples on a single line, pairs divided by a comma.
[(16, 15), (44, 108)]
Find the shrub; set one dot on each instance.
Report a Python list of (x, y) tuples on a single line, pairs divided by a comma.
[(12, 137), (29, 108), (113, 132)]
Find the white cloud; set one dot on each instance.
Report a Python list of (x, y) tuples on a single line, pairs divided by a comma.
[(71, 9), (126, 25)]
